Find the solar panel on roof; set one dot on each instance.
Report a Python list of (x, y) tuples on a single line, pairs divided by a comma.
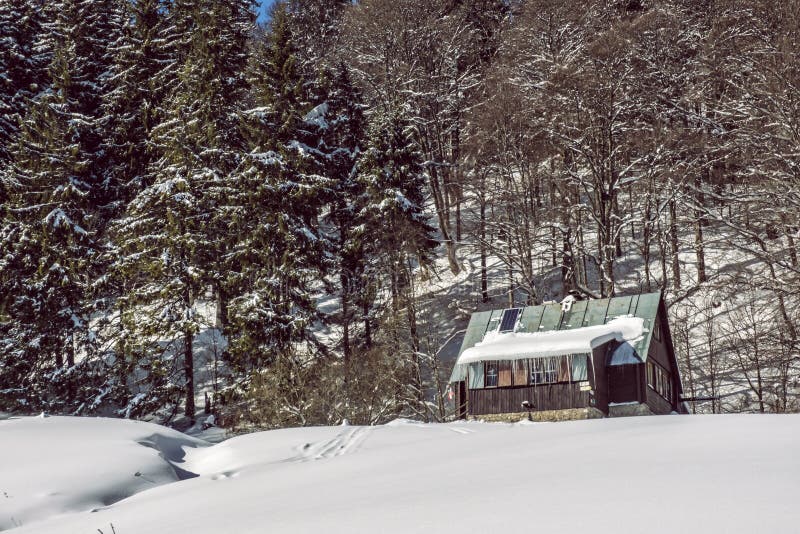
[(509, 319)]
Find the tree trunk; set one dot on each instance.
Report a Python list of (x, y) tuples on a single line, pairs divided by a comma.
[(673, 236), (567, 262), (581, 276), (188, 371), (700, 221), (510, 276), (700, 251), (440, 203), (222, 306), (59, 359), (662, 250), (71, 351), (343, 280), (367, 326), (790, 242), (617, 235), (482, 245)]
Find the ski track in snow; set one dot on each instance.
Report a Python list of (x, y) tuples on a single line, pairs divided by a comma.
[(346, 442)]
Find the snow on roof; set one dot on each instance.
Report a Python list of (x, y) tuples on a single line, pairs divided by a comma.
[(517, 346)]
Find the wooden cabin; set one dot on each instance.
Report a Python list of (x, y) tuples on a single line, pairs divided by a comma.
[(576, 359)]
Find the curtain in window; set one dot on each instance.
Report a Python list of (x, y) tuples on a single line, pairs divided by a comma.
[(579, 367), (476, 375), (492, 372), (563, 368), (504, 373)]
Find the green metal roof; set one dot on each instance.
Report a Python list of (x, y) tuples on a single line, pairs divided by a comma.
[(549, 317)]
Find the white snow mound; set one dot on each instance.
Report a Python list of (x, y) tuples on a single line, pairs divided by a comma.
[(58, 465), (733, 474)]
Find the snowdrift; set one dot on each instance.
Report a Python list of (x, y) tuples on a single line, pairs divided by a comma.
[(732, 474)]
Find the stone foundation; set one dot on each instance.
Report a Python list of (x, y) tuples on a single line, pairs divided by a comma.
[(629, 410), (572, 414)]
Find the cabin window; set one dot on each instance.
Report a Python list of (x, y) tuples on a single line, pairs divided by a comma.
[(659, 380), (520, 373), (537, 371), (651, 375), (545, 370), (525, 372), (504, 372), (551, 369), (491, 375), (657, 330), (476, 375), (580, 371)]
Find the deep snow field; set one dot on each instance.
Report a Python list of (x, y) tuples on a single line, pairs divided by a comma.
[(732, 473)]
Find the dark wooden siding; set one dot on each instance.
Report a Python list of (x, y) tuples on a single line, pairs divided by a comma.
[(658, 405), (543, 397), (659, 353), (623, 383), (598, 377)]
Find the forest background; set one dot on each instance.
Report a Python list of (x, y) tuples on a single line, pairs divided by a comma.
[(297, 218)]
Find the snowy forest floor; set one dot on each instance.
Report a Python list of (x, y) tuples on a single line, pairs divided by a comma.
[(731, 473)]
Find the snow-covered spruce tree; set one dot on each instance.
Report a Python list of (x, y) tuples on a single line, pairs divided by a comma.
[(316, 25), (55, 212), (173, 230), (305, 137), (340, 121), (396, 239), (278, 251), (22, 73), (143, 59), (22, 68)]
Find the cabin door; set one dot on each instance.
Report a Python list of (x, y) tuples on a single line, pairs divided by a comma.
[(461, 400)]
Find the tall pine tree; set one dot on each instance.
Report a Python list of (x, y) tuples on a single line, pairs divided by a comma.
[(53, 217), (279, 251), (396, 239), (340, 121), (173, 229), (22, 68)]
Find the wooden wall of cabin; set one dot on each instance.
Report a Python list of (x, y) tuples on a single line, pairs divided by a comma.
[(658, 404), (560, 396), (660, 354), (625, 383), (599, 378)]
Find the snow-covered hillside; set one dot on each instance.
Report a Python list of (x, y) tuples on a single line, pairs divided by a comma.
[(730, 474)]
